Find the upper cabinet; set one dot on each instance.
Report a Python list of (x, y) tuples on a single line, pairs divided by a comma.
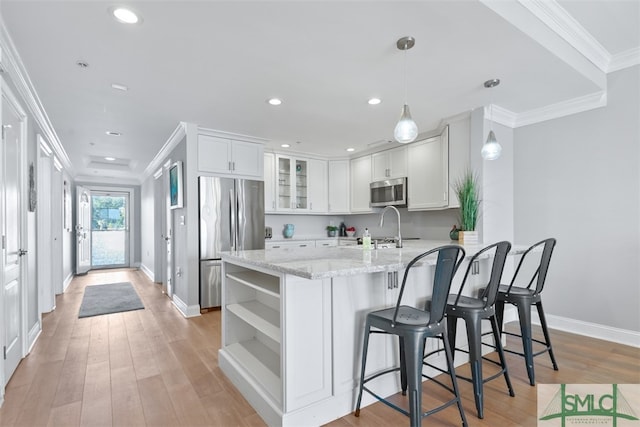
[(269, 182), (360, 180), (339, 186), (428, 177), (301, 185), (230, 157), (389, 164)]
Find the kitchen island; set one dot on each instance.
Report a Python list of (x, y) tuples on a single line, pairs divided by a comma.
[(292, 324)]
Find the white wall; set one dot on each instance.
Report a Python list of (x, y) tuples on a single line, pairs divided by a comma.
[(147, 227), (577, 178)]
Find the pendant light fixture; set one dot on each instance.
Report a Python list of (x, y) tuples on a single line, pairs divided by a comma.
[(491, 149), (406, 130)]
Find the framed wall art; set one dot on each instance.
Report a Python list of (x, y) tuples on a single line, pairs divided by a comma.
[(175, 185)]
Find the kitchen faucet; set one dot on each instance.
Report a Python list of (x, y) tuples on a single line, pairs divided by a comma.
[(399, 237)]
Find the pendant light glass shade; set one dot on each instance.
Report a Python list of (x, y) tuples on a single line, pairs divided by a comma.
[(406, 130), (491, 149)]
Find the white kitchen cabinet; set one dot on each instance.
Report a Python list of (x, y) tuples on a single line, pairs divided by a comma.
[(317, 186), (254, 341), (459, 149), (230, 157), (269, 182), (338, 186), (428, 178), (301, 185), (360, 180), (290, 244), (389, 164)]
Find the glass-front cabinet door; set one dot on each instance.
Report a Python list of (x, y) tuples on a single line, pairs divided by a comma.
[(292, 183), (301, 185), (284, 183)]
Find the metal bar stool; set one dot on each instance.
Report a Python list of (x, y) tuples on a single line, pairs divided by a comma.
[(473, 311), (523, 298), (413, 326)]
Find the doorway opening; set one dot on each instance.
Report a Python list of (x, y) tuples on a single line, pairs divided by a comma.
[(109, 229)]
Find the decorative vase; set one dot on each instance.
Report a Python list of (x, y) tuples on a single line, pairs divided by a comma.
[(287, 232), (468, 237), (331, 233), (454, 233)]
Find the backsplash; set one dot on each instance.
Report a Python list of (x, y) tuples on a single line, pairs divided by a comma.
[(432, 225)]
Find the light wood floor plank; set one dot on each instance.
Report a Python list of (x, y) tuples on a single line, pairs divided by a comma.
[(153, 367)]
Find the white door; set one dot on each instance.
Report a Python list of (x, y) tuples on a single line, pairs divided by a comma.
[(11, 215), (83, 230), (46, 297), (167, 284)]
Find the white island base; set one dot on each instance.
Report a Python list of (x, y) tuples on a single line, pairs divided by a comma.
[(292, 345)]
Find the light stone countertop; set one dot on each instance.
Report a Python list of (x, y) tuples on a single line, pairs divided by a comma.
[(327, 262)]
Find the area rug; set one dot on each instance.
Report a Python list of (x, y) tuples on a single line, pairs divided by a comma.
[(109, 298)]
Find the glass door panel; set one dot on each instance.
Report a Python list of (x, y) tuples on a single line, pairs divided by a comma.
[(301, 184), (109, 230), (284, 183)]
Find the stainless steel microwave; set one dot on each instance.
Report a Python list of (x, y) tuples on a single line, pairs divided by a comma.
[(390, 192)]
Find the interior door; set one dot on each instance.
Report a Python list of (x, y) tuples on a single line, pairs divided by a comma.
[(83, 230), (11, 222)]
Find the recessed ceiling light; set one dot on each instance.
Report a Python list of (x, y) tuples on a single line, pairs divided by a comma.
[(125, 16), (116, 86), (110, 159), (374, 101), (285, 145), (351, 149), (112, 133), (274, 101)]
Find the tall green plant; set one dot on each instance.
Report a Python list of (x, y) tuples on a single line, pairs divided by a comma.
[(466, 188)]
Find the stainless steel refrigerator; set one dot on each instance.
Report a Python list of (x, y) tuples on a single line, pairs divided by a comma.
[(231, 219)]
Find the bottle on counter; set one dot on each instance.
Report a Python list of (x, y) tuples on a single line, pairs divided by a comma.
[(343, 230), (366, 240)]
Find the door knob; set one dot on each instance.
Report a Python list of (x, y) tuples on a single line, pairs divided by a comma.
[(22, 252)]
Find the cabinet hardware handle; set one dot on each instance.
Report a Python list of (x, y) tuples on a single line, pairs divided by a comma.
[(303, 246), (229, 167), (234, 166), (310, 206), (273, 204)]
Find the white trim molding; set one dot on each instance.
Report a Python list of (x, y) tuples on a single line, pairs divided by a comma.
[(178, 135), (12, 65), (147, 272), (592, 330), (562, 109), (187, 311), (624, 60), (67, 282)]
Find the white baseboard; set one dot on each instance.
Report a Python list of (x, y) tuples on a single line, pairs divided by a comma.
[(592, 330), (187, 311), (33, 335), (67, 282), (147, 272)]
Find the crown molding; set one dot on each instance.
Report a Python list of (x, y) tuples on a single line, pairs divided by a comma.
[(562, 109), (562, 23), (625, 59), (89, 179), (548, 26), (501, 115), (178, 135), (13, 67)]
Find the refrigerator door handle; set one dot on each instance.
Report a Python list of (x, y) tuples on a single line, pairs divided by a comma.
[(232, 223)]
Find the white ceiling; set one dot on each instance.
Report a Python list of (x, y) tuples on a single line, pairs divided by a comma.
[(214, 63)]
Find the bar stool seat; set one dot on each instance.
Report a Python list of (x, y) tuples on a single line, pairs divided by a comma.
[(414, 326), (524, 297), (473, 311)]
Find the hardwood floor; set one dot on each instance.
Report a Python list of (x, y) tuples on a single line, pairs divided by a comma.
[(154, 367)]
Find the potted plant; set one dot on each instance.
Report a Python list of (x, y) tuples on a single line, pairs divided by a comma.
[(331, 230), (466, 188)]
